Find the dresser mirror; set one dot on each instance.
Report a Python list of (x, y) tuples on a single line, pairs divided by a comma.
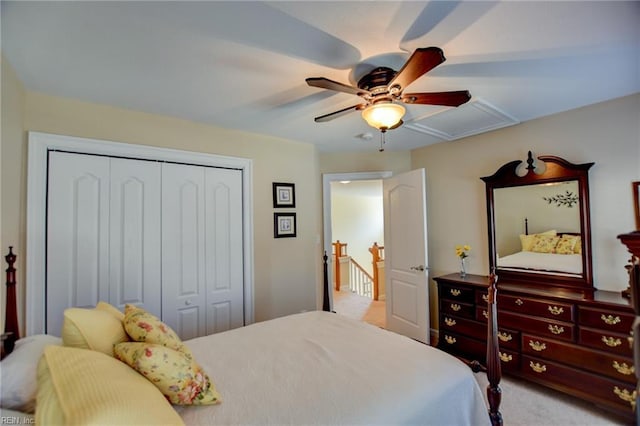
[(538, 223)]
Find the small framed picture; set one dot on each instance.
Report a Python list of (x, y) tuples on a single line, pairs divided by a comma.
[(284, 194), (636, 202), (284, 225)]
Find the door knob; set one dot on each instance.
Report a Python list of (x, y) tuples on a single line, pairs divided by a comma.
[(187, 302), (417, 268)]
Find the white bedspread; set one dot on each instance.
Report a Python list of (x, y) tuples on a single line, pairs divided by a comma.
[(323, 368), (549, 262)]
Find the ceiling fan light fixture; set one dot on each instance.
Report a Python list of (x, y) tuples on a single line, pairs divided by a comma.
[(383, 115)]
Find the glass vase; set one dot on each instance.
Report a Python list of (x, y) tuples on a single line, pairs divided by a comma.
[(463, 268)]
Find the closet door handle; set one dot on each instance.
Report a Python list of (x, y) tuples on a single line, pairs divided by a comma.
[(188, 302)]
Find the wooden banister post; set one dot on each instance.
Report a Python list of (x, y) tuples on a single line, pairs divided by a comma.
[(338, 252), (375, 254)]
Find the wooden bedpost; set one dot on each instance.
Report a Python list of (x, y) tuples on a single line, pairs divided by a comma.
[(11, 318), (494, 372), (325, 300)]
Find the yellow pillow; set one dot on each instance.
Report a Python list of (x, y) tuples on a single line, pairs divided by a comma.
[(93, 329), (527, 240), (566, 245), (143, 326), (78, 386), (545, 243), (176, 374), (104, 306), (577, 249)]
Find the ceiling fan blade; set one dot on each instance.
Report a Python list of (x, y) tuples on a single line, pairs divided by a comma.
[(421, 61), (340, 113), (325, 83), (453, 99)]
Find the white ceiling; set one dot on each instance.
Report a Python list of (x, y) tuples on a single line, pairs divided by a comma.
[(243, 65)]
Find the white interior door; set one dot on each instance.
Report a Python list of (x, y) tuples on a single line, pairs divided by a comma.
[(77, 234), (134, 240), (405, 240)]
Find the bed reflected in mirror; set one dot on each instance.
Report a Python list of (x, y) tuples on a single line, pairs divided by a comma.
[(537, 228)]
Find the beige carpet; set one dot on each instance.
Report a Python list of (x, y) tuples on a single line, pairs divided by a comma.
[(361, 308), (528, 404)]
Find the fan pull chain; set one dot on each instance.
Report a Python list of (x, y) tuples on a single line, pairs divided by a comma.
[(382, 141)]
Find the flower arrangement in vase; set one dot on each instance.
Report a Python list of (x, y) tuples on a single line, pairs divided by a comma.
[(462, 251)]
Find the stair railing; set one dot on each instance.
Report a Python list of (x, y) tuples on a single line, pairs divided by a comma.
[(360, 281)]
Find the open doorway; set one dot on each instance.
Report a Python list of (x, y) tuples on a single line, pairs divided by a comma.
[(353, 223)]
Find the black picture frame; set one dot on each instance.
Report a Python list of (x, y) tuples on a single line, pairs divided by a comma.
[(636, 202), (284, 195), (284, 225)]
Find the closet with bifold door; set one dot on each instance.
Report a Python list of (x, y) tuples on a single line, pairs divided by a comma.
[(160, 235)]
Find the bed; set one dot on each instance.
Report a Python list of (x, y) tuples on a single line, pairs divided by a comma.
[(310, 368)]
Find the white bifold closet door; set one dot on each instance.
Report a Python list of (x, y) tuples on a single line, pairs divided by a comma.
[(202, 269), (103, 234), (162, 236)]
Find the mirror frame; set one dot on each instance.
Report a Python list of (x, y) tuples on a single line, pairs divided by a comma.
[(557, 170)]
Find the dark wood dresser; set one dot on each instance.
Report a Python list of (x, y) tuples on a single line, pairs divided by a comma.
[(562, 339)]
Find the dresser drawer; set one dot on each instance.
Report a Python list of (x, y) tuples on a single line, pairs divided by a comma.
[(605, 319), (467, 327), (466, 347), (605, 341), (614, 366), (586, 385), (457, 293), (541, 308), (509, 360), (465, 310), (540, 327)]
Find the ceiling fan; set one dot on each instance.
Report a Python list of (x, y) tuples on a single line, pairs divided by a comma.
[(382, 91)]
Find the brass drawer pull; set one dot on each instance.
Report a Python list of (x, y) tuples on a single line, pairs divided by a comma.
[(610, 319), (485, 297), (624, 368), (455, 307), (455, 292), (611, 341), (505, 357), (504, 336), (519, 302), (485, 314), (626, 396), (537, 346), (555, 310), (555, 329), (449, 321), (537, 367), (450, 340)]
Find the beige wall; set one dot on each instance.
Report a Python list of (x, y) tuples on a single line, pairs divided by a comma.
[(372, 161), (607, 134), (11, 162), (287, 271)]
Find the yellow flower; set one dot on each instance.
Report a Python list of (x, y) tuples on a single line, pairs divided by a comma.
[(462, 251)]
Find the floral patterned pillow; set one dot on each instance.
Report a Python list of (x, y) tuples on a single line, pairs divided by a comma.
[(566, 245), (545, 243), (174, 373), (143, 326)]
